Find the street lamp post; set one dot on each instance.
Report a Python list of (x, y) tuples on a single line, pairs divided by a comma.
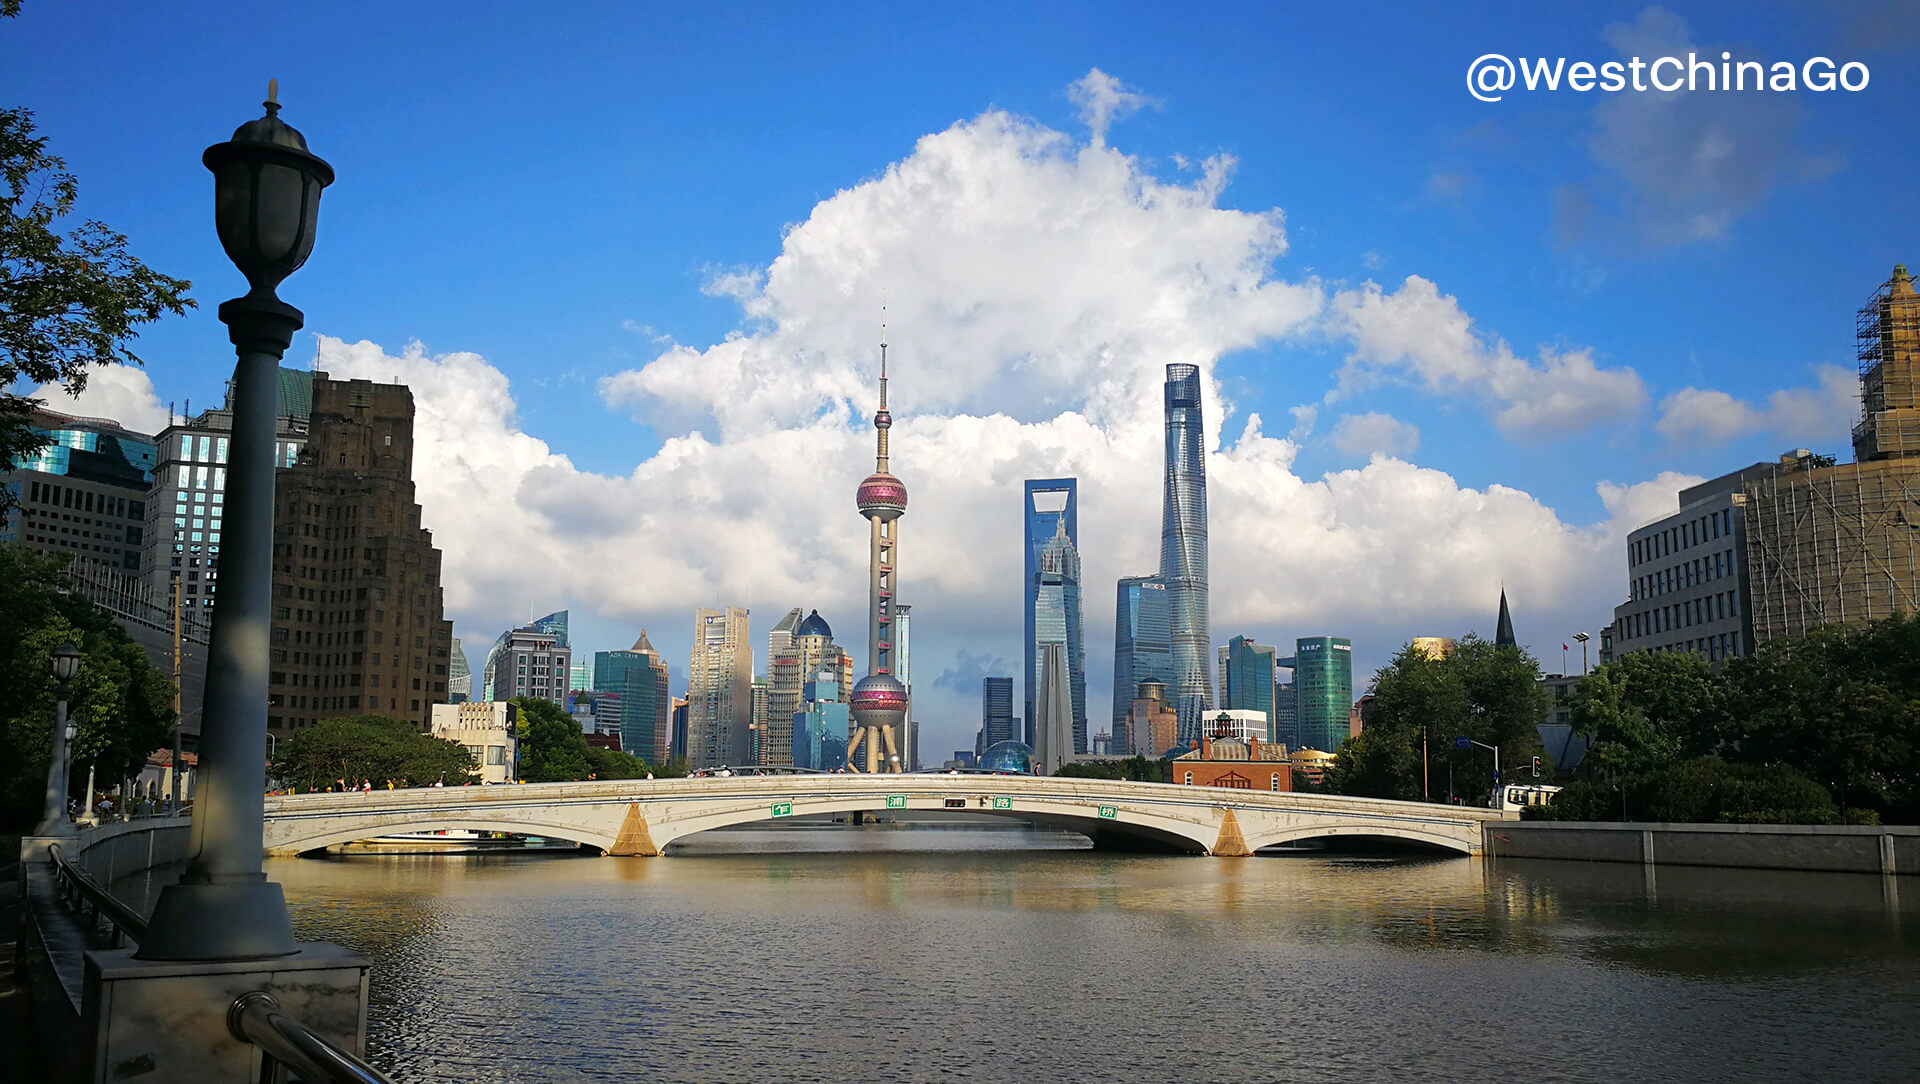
[(1467, 743), (266, 200), (1582, 637), (53, 818)]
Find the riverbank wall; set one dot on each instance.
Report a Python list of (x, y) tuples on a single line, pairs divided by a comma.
[(1884, 849)]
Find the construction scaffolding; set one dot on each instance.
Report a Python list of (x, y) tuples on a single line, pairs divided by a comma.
[(1831, 542)]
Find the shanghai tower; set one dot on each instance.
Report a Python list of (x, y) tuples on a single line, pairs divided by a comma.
[(1183, 552)]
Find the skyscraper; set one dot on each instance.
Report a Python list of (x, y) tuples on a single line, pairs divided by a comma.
[(798, 649), (903, 646), (1140, 649), (880, 700), (719, 688), (637, 678), (1183, 551), (189, 488), (1054, 720), (996, 710), (529, 661), (358, 615), (1053, 602), (1048, 506), (1323, 690), (1247, 673)]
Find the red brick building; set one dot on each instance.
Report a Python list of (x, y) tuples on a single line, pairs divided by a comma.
[(1234, 764)]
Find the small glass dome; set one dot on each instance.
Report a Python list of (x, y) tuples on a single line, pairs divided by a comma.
[(1011, 757)]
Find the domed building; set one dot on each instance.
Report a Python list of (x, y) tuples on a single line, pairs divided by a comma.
[(1008, 758)]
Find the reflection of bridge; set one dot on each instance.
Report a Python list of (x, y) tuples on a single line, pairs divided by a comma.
[(632, 817)]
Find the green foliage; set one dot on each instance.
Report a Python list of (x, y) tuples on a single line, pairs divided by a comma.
[(1701, 790), (370, 747), (614, 764), (552, 748), (1480, 691), (1840, 707), (1137, 768), (120, 703), (1644, 710), (68, 300)]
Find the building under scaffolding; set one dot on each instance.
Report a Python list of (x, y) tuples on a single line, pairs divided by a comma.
[(1834, 542)]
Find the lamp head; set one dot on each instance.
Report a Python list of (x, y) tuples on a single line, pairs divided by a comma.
[(66, 662), (266, 196)]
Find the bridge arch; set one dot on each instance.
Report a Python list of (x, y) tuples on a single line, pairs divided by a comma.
[(1399, 832), (332, 831)]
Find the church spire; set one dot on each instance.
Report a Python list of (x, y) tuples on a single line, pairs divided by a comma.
[(1503, 632)]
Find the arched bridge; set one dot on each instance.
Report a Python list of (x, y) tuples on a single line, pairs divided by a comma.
[(641, 817)]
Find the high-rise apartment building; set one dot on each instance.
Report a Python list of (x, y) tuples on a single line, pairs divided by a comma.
[(1323, 691), (1053, 601), (719, 688), (1836, 542), (638, 677), (1183, 551), (359, 621), (1050, 509), (189, 488), (1248, 672), (798, 648), (84, 493), (1140, 648), (997, 723)]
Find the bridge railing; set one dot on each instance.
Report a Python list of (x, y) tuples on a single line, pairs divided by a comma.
[(289, 1051)]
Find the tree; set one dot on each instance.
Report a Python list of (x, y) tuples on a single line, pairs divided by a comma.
[(120, 703), (370, 747), (614, 764), (1480, 691), (1643, 710), (67, 300), (552, 748)]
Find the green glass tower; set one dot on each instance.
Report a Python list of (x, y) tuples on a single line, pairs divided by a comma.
[(1247, 676), (1323, 690)]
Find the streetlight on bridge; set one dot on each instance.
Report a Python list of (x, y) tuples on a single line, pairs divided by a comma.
[(266, 189), (53, 818)]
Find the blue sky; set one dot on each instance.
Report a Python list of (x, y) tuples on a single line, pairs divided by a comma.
[(543, 205)]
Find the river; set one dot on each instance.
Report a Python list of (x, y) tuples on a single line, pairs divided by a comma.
[(1013, 955)]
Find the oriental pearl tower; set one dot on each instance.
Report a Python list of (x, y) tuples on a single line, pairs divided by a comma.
[(879, 700)]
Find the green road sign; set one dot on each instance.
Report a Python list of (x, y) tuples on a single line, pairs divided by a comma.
[(896, 801), (1109, 812), (783, 809), (1003, 803)]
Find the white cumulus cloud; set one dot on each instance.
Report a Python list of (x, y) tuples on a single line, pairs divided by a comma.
[(1823, 414), (121, 393), (1366, 434), (1427, 335)]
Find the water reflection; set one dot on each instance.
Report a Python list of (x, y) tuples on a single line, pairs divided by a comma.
[(903, 955)]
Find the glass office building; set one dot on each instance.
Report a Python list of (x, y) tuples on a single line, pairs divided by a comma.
[(1140, 649), (1247, 672), (1054, 601), (1183, 551), (638, 677), (1322, 691), (1051, 506), (996, 711)]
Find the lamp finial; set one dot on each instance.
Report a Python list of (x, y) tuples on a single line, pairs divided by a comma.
[(273, 96)]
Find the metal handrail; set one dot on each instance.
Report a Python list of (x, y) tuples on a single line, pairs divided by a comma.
[(82, 891), (286, 1044)]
